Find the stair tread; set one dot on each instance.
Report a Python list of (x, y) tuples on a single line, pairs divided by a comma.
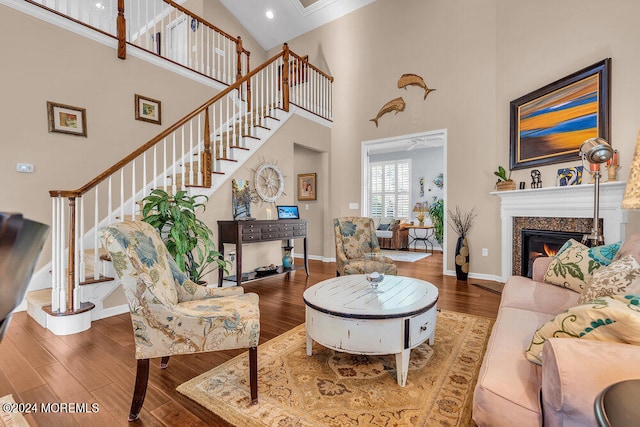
[(92, 281)]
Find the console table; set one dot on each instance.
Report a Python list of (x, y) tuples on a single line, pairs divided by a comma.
[(255, 231)]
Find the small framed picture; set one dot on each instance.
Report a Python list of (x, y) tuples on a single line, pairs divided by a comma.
[(307, 189), (148, 110), (67, 119)]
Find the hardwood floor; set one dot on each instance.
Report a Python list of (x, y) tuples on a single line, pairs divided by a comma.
[(98, 365)]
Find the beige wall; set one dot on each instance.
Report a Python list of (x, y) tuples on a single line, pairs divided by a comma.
[(479, 56)]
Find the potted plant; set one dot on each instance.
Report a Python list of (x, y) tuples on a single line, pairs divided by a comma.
[(504, 182), (461, 223), (187, 238), (436, 212)]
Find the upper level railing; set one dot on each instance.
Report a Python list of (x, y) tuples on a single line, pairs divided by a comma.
[(163, 28), (186, 154)]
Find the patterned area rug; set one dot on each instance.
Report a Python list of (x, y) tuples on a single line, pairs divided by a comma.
[(338, 389), (404, 256), (10, 416)]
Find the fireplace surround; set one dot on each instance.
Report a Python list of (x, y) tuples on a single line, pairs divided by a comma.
[(566, 204)]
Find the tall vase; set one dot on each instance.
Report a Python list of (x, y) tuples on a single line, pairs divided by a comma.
[(462, 258)]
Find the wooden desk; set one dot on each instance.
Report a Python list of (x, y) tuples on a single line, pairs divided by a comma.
[(240, 232), (426, 239)]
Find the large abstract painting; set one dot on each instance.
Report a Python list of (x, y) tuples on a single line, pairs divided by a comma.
[(549, 124)]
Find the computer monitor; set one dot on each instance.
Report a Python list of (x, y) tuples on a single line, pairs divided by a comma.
[(288, 212)]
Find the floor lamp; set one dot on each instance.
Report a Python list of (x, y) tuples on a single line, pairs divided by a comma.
[(631, 199), (595, 151)]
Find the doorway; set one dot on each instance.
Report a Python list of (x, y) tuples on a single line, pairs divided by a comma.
[(427, 154)]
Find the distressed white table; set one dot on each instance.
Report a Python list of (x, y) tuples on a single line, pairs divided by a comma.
[(345, 315)]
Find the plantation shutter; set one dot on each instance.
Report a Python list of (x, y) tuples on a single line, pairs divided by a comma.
[(390, 188)]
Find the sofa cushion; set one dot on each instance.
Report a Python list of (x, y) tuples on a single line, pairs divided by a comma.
[(613, 318), (520, 292), (575, 263), (569, 388), (631, 246), (620, 277), (508, 389), (384, 234)]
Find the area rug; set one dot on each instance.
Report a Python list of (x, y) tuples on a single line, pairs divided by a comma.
[(338, 389), (10, 415), (404, 256)]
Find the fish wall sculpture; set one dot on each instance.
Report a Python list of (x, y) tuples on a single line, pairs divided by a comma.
[(414, 80), (396, 105)]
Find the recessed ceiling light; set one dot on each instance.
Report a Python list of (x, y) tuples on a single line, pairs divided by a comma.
[(269, 14), (99, 5)]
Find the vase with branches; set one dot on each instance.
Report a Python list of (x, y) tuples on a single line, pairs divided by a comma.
[(461, 222)]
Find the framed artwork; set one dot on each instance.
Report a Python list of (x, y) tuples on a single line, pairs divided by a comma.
[(148, 110), (549, 125), (67, 119), (307, 189)]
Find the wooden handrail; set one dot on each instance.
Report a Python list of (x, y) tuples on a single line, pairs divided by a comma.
[(119, 165)]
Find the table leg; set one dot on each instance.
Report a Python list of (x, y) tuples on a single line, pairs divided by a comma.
[(402, 366), (309, 345)]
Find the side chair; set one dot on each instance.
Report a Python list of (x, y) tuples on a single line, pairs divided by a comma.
[(356, 236), (172, 315)]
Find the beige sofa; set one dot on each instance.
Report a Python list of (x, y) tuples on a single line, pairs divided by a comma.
[(511, 391)]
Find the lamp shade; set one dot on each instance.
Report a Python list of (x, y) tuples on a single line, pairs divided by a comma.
[(596, 150), (631, 199)]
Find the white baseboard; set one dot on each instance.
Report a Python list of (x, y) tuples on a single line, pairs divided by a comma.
[(480, 276)]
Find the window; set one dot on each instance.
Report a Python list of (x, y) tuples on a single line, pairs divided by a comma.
[(389, 190)]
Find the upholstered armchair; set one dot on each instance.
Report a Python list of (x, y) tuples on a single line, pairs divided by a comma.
[(171, 315), (356, 236)]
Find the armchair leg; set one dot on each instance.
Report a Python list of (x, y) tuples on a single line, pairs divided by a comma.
[(253, 374), (164, 362), (142, 378)]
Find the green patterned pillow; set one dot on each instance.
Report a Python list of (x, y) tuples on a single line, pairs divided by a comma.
[(620, 277), (614, 318), (575, 263)]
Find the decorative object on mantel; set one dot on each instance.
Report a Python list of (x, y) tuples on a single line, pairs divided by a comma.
[(549, 125), (421, 208), (595, 151), (569, 176), (414, 80), (504, 182), (631, 199), (612, 167), (536, 179), (461, 223), (242, 197), (396, 105)]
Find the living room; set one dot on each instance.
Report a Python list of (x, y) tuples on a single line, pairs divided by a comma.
[(478, 57)]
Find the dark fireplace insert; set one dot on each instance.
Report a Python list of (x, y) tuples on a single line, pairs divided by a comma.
[(542, 243)]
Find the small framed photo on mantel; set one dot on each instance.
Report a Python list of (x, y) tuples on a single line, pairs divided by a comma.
[(148, 109), (307, 189), (67, 119)]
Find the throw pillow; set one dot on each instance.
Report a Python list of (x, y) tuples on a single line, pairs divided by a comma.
[(614, 318), (575, 263), (383, 227), (620, 277)]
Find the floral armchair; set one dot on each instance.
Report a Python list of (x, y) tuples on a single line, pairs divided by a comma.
[(356, 236), (171, 315)]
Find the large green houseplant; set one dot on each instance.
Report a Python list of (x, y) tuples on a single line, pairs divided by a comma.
[(187, 238), (436, 212)]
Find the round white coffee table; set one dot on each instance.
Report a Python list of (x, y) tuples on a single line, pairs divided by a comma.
[(343, 314)]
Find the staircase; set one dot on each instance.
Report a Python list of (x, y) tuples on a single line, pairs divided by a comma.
[(198, 153)]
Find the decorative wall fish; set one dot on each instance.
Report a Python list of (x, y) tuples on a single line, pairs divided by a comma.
[(413, 80), (396, 105)]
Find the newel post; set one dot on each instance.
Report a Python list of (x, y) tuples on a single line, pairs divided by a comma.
[(285, 77), (239, 58), (71, 259), (122, 31), (206, 154)]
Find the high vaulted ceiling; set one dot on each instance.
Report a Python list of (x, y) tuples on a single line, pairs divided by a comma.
[(291, 18)]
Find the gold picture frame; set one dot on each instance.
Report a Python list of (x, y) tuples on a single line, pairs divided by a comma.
[(307, 187), (67, 119), (148, 109)]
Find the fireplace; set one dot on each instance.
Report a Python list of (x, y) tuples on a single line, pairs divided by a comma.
[(541, 243)]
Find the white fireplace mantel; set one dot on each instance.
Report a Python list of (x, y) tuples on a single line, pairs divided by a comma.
[(562, 202)]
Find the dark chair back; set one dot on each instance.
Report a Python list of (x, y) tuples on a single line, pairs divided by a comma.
[(21, 241)]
